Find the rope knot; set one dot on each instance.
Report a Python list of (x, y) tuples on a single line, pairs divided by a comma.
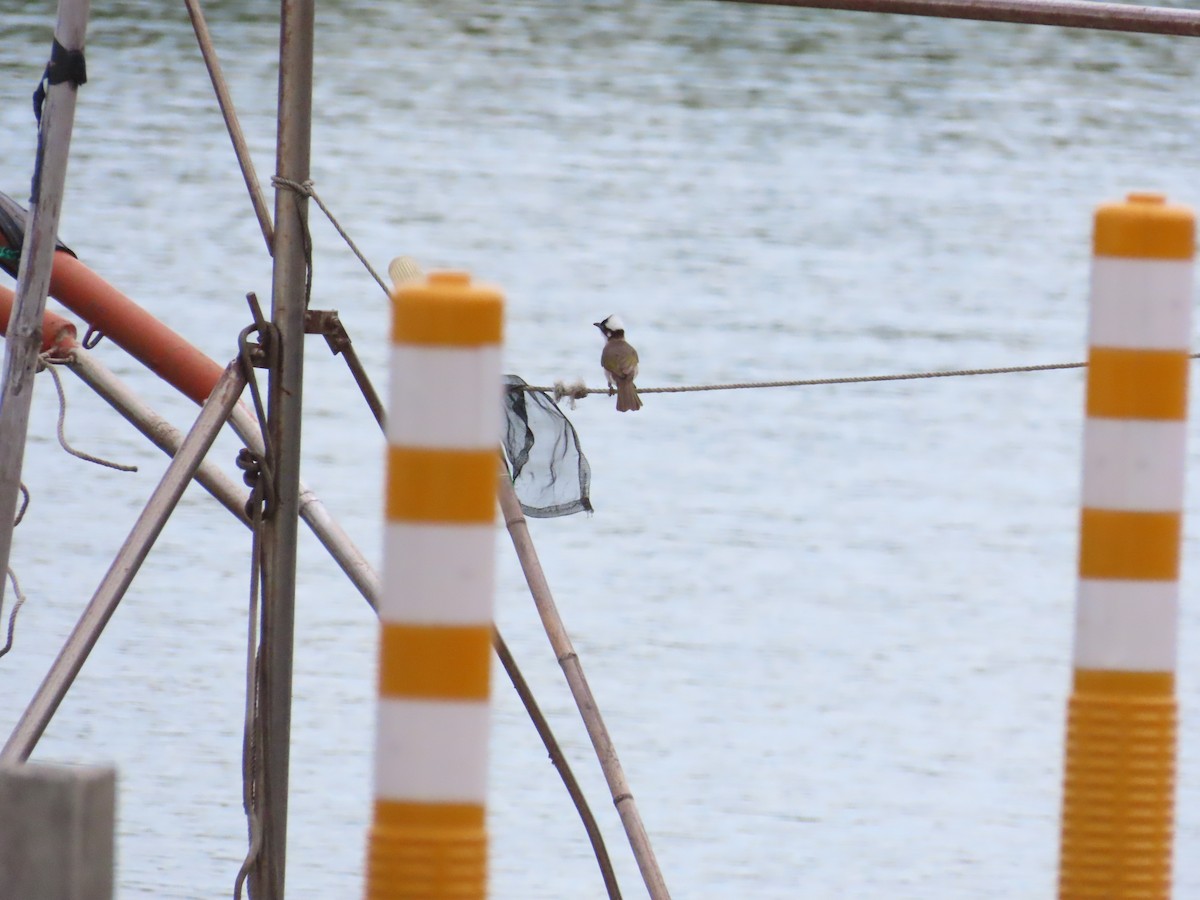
[(576, 390), (259, 504), (303, 188)]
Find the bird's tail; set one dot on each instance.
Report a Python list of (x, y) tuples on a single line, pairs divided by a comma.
[(627, 396)]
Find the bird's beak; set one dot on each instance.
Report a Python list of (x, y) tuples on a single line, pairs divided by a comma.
[(599, 325)]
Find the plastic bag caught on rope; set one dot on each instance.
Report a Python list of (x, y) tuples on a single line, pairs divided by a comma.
[(550, 474)]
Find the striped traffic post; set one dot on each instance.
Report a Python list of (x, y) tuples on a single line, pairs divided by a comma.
[(1118, 802), (428, 838)]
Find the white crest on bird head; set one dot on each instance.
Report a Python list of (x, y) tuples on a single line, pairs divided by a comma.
[(611, 325)]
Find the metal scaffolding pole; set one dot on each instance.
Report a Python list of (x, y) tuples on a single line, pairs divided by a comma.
[(1064, 13), (24, 342), (288, 304)]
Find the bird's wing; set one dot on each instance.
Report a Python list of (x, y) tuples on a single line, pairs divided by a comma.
[(620, 359)]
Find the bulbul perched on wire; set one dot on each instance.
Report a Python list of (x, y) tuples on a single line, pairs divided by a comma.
[(620, 363)]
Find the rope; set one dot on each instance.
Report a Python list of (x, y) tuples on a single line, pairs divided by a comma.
[(308, 189), (24, 504), (49, 364), (252, 723), (246, 352), (12, 616), (578, 390)]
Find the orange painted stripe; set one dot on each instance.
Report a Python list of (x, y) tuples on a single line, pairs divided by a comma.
[(1137, 384), (1132, 545), (1133, 684), (1146, 227), (400, 814), (435, 485), (447, 310), (435, 662), (1118, 788)]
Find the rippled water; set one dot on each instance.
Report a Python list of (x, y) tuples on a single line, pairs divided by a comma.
[(830, 627)]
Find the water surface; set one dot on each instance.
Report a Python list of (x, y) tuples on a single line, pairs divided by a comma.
[(829, 627)]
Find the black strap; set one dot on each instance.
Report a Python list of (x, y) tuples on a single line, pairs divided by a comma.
[(64, 65)]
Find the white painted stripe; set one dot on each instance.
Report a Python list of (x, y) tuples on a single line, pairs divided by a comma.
[(437, 574), (1127, 626), (431, 751), (1134, 464), (1141, 303), (444, 397)]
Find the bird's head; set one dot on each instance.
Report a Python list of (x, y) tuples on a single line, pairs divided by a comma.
[(611, 327)]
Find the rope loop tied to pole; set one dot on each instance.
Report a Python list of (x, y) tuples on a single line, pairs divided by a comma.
[(303, 188), (252, 465), (308, 189), (258, 473)]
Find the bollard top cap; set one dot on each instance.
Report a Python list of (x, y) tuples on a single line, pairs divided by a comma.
[(1145, 226), (1146, 197), (447, 308), (448, 278)]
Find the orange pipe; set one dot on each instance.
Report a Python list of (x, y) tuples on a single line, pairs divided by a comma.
[(58, 335), (167, 354), (132, 328)]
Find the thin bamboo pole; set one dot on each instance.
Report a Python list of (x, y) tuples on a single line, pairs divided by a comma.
[(125, 566), (559, 759), (225, 101), (284, 407), (339, 343), (33, 277), (1064, 13), (606, 752)]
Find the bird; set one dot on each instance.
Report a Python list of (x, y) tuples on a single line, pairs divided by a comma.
[(620, 362)]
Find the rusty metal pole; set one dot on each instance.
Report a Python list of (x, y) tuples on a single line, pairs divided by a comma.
[(1063, 13), (288, 301)]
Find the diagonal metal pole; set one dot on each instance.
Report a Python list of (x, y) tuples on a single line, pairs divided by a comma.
[(288, 304), (125, 566), (1063, 13), (33, 277)]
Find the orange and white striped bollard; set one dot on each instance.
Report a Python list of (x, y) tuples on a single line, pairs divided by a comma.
[(1118, 802), (428, 838)]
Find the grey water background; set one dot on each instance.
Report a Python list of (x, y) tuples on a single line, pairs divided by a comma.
[(830, 628)]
